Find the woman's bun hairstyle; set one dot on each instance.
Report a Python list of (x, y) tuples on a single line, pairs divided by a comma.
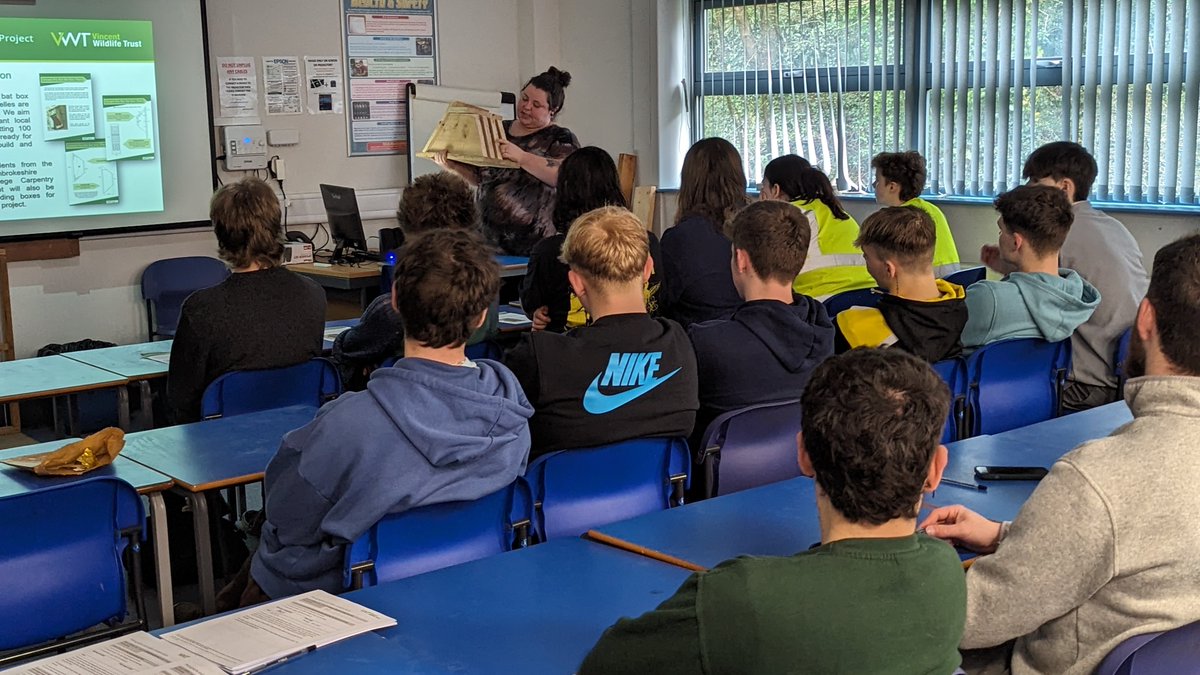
[(553, 82)]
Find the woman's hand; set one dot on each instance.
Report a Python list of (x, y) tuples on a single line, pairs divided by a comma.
[(541, 318), (963, 527), (442, 159), (512, 152)]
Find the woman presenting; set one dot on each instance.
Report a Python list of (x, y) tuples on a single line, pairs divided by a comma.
[(517, 205)]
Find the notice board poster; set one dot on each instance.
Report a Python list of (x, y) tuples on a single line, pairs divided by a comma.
[(389, 43)]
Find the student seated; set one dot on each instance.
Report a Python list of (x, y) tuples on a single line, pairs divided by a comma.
[(834, 263), (262, 316), (625, 375), (433, 201), (1038, 299), (899, 181), (1103, 251), (587, 180), (436, 427), (767, 350), (917, 313), (874, 597), (1105, 548), (696, 281)]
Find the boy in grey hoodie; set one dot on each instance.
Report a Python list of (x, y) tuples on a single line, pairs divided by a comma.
[(1038, 299), (436, 427)]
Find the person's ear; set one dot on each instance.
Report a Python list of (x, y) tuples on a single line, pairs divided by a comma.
[(1018, 242), (937, 466), (891, 267), (482, 318), (1068, 186), (741, 260), (648, 270), (577, 285), (1146, 322), (395, 305), (805, 462)]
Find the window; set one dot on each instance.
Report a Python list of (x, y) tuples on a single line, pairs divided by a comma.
[(975, 85)]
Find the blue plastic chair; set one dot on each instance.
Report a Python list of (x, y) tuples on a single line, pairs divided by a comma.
[(750, 447), (577, 490), (954, 373), (1175, 651), (1121, 361), (167, 283), (61, 566), (862, 297), (488, 349), (440, 535), (1015, 383), (968, 276), (312, 383)]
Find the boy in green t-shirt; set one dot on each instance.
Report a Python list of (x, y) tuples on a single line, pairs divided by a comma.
[(899, 181), (875, 596)]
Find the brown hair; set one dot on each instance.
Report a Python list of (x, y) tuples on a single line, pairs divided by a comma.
[(902, 232), (1175, 295), (607, 245), (246, 219), (1039, 213), (553, 82), (776, 236), (444, 280), (872, 421), (1063, 159), (906, 168), (713, 183), (435, 201)]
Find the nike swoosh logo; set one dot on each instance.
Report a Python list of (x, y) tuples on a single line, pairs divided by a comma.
[(598, 404)]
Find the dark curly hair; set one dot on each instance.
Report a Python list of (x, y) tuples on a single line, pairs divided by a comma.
[(776, 236), (906, 168), (445, 279), (437, 201), (1039, 213), (1175, 295), (587, 180), (554, 82), (872, 422)]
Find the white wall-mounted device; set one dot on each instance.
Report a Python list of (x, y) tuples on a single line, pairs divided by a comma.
[(245, 147)]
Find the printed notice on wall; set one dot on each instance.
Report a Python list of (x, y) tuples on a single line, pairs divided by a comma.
[(389, 43), (281, 79), (323, 80), (237, 81)]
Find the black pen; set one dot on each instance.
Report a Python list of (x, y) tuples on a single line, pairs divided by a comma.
[(281, 660), (969, 486)]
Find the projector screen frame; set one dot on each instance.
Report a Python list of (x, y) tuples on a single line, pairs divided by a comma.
[(155, 227)]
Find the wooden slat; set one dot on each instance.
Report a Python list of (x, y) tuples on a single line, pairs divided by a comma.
[(12, 422), (644, 197), (627, 173), (41, 249)]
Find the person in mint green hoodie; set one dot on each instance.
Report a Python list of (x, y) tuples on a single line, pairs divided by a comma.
[(1039, 299)]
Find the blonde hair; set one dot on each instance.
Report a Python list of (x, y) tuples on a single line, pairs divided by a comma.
[(607, 245)]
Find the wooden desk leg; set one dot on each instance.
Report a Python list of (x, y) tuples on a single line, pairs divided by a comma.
[(204, 562), (123, 407), (162, 559)]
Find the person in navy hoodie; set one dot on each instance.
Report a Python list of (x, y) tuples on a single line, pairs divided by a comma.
[(435, 427), (769, 347)]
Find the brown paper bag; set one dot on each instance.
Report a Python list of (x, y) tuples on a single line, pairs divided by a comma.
[(77, 458)]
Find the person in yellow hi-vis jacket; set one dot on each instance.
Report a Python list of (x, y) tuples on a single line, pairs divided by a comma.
[(834, 264), (899, 180)]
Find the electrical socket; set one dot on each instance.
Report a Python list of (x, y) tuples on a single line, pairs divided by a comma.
[(277, 168)]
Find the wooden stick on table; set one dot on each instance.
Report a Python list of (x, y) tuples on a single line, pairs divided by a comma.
[(642, 550)]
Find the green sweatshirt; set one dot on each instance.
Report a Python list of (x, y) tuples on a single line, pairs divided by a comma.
[(851, 606)]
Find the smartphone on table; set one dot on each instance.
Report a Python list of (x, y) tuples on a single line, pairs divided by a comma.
[(1010, 472)]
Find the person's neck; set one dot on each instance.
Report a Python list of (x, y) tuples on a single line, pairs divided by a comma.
[(754, 288), (835, 527), (518, 129), (616, 301), (252, 267), (451, 356), (922, 286), (1032, 265)]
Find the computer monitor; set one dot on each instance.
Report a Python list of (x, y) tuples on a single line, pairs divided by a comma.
[(345, 223)]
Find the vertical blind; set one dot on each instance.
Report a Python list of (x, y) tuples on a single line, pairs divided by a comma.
[(975, 85)]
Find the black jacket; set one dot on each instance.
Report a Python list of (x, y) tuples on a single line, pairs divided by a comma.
[(697, 281), (624, 376)]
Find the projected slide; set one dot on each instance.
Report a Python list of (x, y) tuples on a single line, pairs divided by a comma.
[(77, 119)]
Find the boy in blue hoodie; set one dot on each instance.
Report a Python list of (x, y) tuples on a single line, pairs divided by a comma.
[(436, 427), (1039, 299), (768, 348)]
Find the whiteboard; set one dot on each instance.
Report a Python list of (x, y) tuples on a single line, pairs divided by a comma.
[(427, 103)]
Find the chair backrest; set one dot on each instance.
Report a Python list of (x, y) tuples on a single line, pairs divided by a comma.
[(954, 373), (1015, 383), (577, 490), (1120, 360), (862, 297), (487, 349), (750, 447), (167, 283), (440, 535), (313, 383), (968, 276), (61, 568), (1175, 651)]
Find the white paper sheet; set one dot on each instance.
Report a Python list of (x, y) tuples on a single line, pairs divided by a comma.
[(133, 654)]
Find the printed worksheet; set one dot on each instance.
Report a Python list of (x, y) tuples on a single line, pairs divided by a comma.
[(128, 127), (91, 178), (67, 106)]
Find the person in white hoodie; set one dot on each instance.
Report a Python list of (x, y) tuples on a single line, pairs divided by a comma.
[(1105, 548), (1038, 299)]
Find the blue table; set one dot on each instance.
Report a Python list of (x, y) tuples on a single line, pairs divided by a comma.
[(146, 481), (26, 379), (330, 327), (1069, 432), (210, 455), (512, 265), (130, 362), (536, 610)]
